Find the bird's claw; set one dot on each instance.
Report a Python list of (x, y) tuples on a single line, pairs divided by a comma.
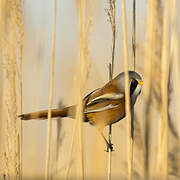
[(109, 147)]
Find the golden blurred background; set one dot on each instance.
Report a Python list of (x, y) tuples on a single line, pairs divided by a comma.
[(28, 25)]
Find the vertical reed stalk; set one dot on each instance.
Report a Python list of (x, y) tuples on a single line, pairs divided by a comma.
[(55, 143), (81, 80), (20, 47), (1, 28), (150, 31), (134, 35), (109, 153), (50, 92), (110, 129), (128, 113), (175, 57), (111, 12), (70, 152), (81, 83), (112, 18), (1, 92), (163, 131), (12, 42)]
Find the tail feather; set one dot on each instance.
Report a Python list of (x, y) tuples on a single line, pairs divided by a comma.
[(62, 112)]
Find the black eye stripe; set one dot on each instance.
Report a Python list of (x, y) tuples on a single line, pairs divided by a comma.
[(133, 86)]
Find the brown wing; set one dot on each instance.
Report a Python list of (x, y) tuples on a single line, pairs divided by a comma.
[(106, 112), (110, 87), (106, 105)]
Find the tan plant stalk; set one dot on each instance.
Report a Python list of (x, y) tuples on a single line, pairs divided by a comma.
[(110, 131), (1, 26), (175, 57), (70, 152), (50, 92), (128, 113), (20, 26), (134, 35), (80, 83), (151, 58), (12, 40), (81, 80), (54, 148), (109, 160), (56, 143), (111, 12), (1, 92), (162, 161)]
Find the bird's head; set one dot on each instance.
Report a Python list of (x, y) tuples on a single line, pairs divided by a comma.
[(135, 84)]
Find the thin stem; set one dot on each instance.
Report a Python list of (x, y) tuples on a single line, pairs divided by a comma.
[(111, 14), (114, 38), (70, 152), (21, 127), (128, 114), (175, 58), (81, 79), (50, 92), (81, 72), (110, 152), (163, 130), (134, 35), (148, 75)]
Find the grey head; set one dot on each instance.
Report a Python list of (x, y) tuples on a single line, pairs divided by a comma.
[(135, 84)]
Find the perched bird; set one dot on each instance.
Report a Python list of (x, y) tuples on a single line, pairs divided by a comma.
[(103, 106)]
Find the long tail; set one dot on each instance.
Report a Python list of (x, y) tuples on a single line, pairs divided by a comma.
[(61, 112)]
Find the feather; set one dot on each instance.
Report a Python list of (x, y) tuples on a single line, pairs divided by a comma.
[(62, 112), (109, 96), (108, 107)]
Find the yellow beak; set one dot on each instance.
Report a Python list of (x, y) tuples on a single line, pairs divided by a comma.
[(140, 83)]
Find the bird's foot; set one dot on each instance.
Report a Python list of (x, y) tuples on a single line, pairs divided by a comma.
[(109, 147)]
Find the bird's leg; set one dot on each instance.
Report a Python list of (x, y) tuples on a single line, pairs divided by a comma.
[(109, 145), (109, 138)]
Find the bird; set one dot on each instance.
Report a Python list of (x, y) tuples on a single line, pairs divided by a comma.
[(103, 106)]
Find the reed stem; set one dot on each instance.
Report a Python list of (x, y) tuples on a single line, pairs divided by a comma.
[(127, 102), (163, 131), (50, 93), (134, 36)]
